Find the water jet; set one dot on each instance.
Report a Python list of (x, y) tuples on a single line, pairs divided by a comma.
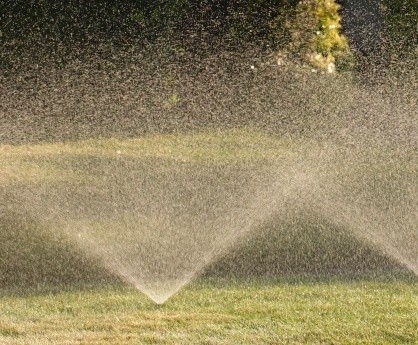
[(156, 157)]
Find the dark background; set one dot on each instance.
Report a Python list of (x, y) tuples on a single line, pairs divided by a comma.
[(53, 25)]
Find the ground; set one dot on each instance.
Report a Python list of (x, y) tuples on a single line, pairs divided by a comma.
[(365, 311), (329, 311)]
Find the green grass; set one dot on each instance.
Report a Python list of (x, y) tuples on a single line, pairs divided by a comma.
[(351, 311), (361, 312), (55, 161), (32, 163)]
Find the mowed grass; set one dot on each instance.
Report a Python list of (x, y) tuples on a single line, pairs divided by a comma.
[(347, 312), (361, 312), (43, 163)]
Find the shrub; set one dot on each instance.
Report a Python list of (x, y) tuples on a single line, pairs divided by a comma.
[(316, 34)]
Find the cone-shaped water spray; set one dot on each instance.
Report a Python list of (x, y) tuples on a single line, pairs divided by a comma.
[(156, 152)]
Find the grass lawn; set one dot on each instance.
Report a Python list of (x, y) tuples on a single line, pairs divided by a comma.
[(367, 311), (357, 312)]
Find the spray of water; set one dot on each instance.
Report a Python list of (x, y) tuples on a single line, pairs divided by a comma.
[(158, 222), (156, 165)]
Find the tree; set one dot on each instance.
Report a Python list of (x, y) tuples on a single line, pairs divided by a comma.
[(316, 34)]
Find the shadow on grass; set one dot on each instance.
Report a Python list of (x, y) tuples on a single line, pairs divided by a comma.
[(34, 261), (305, 248)]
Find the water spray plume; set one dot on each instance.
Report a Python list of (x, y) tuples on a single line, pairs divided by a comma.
[(159, 222), (156, 157)]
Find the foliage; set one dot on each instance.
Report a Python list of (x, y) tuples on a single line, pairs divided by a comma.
[(52, 27), (316, 27), (316, 35)]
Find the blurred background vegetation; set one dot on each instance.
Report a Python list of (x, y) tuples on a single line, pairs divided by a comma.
[(54, 28)]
